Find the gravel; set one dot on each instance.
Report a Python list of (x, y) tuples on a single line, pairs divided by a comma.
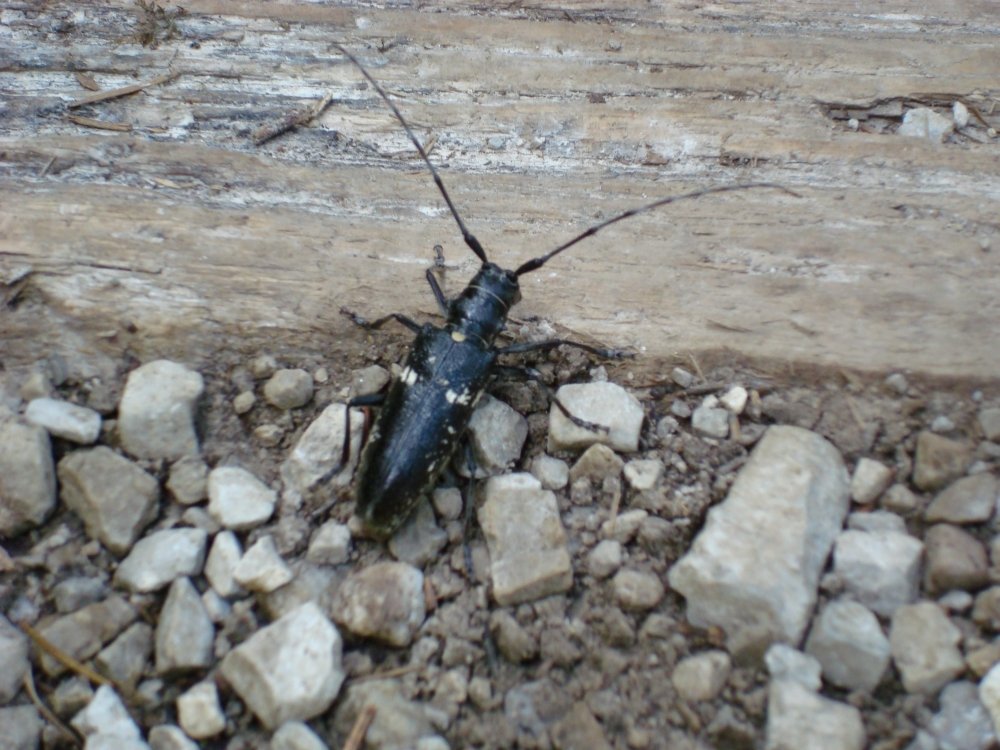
[(565, 634)]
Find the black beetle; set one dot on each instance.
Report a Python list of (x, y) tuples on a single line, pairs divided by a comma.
[(428, 405)]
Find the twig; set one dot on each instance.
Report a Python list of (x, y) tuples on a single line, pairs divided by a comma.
[(395, 672), (62, 657), (360, 728), (44, 710), (101, 96), (90, 122), (291, 121), (696, 366)]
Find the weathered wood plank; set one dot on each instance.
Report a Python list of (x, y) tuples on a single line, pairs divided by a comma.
[(184, 238)]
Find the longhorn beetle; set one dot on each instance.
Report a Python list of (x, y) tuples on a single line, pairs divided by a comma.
[(428, 405)]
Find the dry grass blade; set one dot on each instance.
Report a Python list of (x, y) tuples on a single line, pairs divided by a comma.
[(101, 96), (360, 728), (44, 710), (90, 122), (62, 657)]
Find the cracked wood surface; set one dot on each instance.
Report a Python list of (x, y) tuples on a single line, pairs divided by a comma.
[(183, 238)]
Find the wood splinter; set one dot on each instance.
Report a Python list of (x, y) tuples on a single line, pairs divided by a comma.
[(292, 121)]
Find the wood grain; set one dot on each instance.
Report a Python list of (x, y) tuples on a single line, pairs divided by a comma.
[(183, 238)]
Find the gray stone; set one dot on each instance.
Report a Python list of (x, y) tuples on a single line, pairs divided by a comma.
[(515, 644), (114, 497), (962, 723), (682, 377), (956, 601), (955, 560), (924, 122), (986, 609), (290, 670), (13, 660), (125, 659), (237, 499), (989, 695), (159, 558), (710, 421), (156, 412), (799, 719), (27, 477), (447, 502), (579, 730), (188, 481), (596, 463), (318, 452), (604, 559), (289, 389), (702, 676), (760, 587), (72, 593), (938, 461), (78, 424), (244, 402), (880, 569), (368, 380), (989, 421), (71, 695), (81, 634), (531, 706), (552, 472), (221, 564), (527, 544), (637, 591), (330, 545), (263, 366), (623, 527), (199, 712), (869, 480), (924, 646), (601, 403), (384, 601), (848, 642), (735, 399), (261, 568), (169, 737), (496, 434), (184, 632), (965, 501), (785, 663), (899, 499), (420, 539), (398, 722), (106, 715), (643, 474), (295, 735), (22, 728), (877, 521)]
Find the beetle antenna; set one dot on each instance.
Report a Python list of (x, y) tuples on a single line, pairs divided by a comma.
[(535, 263), (469, 238)]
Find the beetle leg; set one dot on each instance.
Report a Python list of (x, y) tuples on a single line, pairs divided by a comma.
[(530, 373), (371, 399), (537, 346), (379, 322), (436, 288)]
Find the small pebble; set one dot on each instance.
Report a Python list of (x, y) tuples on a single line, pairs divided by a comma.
[(289, 389)]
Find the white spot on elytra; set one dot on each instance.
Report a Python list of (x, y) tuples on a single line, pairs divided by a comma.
[(451, 396), (457, 336), (408, 376)]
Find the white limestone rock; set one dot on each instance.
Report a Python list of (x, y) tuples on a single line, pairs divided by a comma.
[(754, 568)]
